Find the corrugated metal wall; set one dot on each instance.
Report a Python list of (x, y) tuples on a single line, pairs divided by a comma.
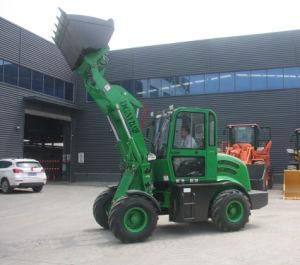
[(25, 48), (207, 56)]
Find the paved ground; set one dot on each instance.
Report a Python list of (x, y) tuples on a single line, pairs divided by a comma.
[(57, 227)]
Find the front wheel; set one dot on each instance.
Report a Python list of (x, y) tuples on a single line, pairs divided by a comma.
[(101, 207), (133, 219), (230, 210)]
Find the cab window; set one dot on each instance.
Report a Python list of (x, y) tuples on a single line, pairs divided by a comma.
[(212, 130), (189, 131)]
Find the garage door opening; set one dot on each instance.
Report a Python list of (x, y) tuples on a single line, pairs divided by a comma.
[(47, 140)]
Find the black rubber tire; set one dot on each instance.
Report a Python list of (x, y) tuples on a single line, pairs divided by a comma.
[(38, 188), (100, 207), (218, 210), (5, 186), (117, 214)]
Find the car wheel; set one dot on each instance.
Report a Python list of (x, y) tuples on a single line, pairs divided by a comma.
[(37, 188), (6, 188)]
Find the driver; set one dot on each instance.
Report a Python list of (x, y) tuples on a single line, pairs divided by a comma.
[(187, 141)]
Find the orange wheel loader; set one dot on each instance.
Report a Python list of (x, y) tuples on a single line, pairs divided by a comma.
[(252, 144)]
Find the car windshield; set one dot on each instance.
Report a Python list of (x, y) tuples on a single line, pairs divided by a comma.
[(243, 134), (160, 138), (28, 164)]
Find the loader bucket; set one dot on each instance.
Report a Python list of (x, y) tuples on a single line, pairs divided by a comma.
[(291, 185), (77, 35)]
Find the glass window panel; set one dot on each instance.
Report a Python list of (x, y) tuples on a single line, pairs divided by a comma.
[(10, 73), (37, 81), (69, 91), (141, 88), (212, 83), (275, 78), (226, 82), (1, 70), (189, 131), (242, 81), (49, 85), (168, 87), (154, 87), (128, 85), (189, 166), (182, 85), (291, 77), (59, 88), (197, 84), (259, 79), (24, 77), (212, 130)]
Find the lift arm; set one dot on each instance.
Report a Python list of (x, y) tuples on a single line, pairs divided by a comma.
[(120, 107)]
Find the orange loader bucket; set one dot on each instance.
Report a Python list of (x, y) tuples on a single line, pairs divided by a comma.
[(291, 185)]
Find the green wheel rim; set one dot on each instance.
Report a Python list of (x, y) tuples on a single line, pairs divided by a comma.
[(135, 219), (234, 211)]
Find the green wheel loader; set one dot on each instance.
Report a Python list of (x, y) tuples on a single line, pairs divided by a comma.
[(180, 175)]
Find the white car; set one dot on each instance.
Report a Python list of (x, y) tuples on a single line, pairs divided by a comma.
[(21, 173)]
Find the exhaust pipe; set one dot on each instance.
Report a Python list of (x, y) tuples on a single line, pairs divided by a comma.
[(77, 35)]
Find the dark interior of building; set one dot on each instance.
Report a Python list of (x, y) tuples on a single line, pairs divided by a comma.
[(44, 141)]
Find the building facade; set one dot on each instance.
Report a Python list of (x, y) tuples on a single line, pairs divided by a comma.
[(246, 79)]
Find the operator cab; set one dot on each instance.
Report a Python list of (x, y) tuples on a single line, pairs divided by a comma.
[(252, 134), (294, 153), (184, 142)]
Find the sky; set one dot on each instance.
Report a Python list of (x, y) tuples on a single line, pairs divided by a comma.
[(152, 22)]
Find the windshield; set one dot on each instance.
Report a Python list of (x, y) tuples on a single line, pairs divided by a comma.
[(160, 137), (28, 164), (243, 134)]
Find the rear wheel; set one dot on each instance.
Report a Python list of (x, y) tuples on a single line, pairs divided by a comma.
[(102, 206), (133, 219), (37, 188), (230, 210), (6, 188)]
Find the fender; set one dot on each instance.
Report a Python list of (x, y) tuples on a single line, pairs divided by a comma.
[(147, 196)]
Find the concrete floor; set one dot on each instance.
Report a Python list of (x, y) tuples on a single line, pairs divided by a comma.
[(57, 227)]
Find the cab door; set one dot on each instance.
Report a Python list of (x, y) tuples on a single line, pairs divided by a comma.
[(193, 146)]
